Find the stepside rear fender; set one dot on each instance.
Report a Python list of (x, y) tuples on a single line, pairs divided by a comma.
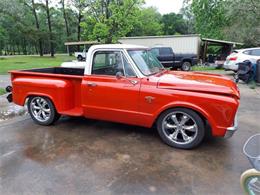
[(59, 90)]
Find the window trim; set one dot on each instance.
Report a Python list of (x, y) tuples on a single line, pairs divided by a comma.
[(122, 52)]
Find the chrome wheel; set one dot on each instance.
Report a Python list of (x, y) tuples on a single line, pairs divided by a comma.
[(179, 127), (40, 109)]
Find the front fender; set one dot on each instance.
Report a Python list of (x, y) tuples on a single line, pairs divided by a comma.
[(219, 111)]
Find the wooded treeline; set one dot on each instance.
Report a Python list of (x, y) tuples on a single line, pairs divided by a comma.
[(42, 26)]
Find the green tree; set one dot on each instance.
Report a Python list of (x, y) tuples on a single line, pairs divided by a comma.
[(210, 18), (65, 17), (24, 27), (188, 16), (148, 22), (80, 6), (47, 8), (17, 22), (244, 23), (174, 24), (33, 7), (107, 20)]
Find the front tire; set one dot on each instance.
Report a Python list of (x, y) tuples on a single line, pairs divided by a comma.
[(186, 66), (42, 110), (181, 128)]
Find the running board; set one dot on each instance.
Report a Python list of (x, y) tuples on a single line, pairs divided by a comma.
[(73, 112)]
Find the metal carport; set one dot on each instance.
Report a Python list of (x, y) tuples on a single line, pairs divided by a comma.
[(227, 46), (79, 43)]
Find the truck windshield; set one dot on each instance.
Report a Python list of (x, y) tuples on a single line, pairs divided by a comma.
[(146, 61)]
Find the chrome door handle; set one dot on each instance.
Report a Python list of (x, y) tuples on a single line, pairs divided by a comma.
[(92, 84), (133, 82)]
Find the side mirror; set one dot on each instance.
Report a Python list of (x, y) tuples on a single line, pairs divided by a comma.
[(119, 75)]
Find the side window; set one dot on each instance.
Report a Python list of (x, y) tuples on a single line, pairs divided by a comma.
[(155, 51), (165, 51), (107, 63), (247, 52), (255, 52), (111, 62)]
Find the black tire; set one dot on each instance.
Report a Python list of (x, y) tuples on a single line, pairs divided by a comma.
[(53, 116), (186, 66), (194, 117), (80, 58)]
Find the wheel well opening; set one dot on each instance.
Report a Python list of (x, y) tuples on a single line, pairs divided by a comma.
[(31, 96), (204, 119), (186, 60)]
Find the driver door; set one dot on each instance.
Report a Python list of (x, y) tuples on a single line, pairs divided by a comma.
[(107, 97)]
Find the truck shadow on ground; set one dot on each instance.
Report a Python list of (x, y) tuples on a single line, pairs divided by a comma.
[(90, 156), (99, 138)]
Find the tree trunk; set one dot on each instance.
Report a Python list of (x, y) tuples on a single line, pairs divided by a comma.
[(18, 48), (13, 48), (36, 50), (37, 27), (1, 49), (24, 47), (79, 27), (65, 19), (50, 30)]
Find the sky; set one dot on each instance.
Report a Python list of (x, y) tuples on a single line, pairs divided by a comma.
[(165, 6)]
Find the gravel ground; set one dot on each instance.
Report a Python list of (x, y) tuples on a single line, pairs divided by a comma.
[(10, 110)]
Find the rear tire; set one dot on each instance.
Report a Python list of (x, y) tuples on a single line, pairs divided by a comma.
[(186, 66), (181, 128), (42, 110)]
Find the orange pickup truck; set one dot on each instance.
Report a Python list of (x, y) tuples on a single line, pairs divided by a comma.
[(127, 84)]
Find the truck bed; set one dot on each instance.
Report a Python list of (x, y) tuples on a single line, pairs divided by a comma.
[(61, 84)]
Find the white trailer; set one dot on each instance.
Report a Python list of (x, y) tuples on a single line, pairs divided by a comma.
[(181, 44), (185, 47)]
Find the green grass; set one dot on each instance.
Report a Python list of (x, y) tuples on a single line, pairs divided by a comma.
[(2, 91), (204, 68), (27, 62)]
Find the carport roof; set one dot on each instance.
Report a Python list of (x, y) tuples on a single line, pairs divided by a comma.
[(81, 43), (221, 41)]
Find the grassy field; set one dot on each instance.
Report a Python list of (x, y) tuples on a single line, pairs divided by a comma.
[(2, 91), (27, 62), (204, 68)]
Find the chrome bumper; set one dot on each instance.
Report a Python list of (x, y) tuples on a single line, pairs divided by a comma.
[(231, 130)]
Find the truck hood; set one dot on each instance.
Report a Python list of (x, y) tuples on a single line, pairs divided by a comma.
[(198, 82)]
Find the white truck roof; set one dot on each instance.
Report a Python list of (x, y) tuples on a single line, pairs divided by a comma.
[(116, 46), (87, 64)]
